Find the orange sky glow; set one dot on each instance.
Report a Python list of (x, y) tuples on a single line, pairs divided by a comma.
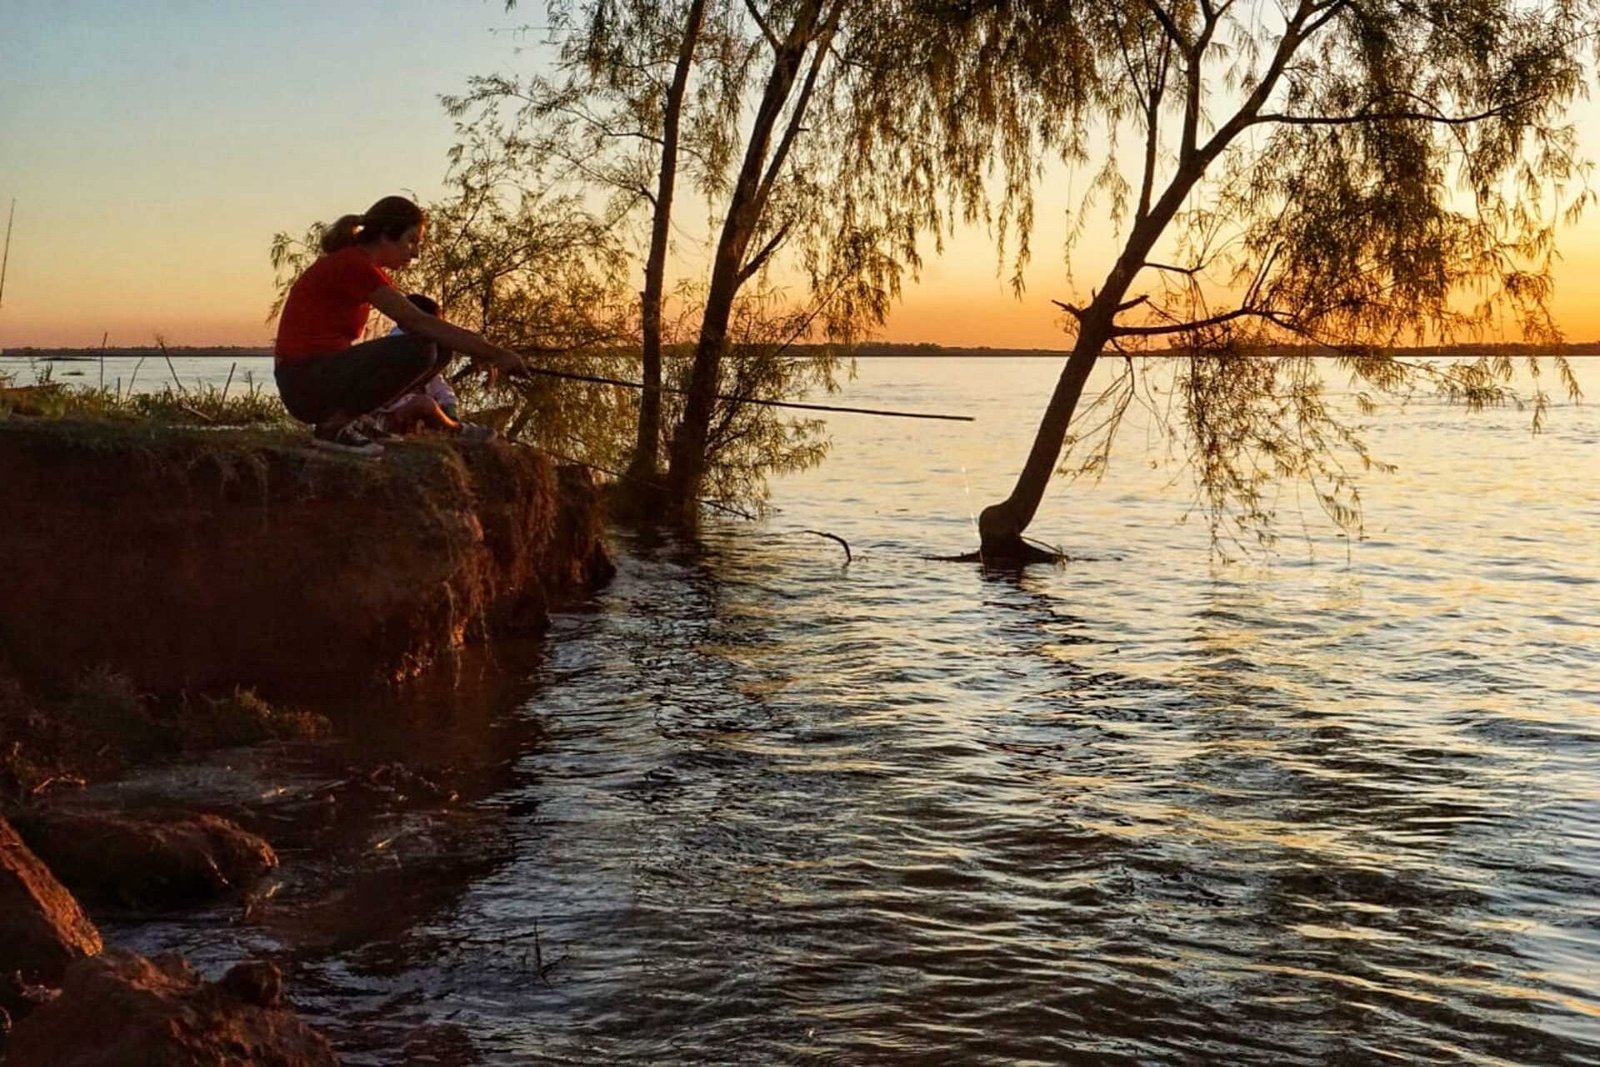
[(146, 194)]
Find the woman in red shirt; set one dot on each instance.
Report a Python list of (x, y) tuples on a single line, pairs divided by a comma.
[(324, 377)]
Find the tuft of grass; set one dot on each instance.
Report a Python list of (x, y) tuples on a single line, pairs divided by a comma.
[(243, 718), (249, 404), (102, 724), (106, 708), (22, 767)]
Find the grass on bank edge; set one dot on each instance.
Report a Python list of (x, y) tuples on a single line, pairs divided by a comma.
[(102, 724), (246, 403)]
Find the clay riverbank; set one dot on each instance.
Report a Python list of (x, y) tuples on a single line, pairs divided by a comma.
[(163, 584), (199, 560)]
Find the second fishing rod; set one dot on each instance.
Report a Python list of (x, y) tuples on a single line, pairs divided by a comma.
[(546, 372)]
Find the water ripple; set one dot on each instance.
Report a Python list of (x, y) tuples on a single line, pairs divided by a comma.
[(1341, 807)]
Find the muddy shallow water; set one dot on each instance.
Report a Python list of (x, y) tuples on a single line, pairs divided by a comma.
[(753, 805)]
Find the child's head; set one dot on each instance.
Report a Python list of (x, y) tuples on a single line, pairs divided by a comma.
[(426, 303)]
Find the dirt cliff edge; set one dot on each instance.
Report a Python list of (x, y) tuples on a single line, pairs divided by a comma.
[(201, 560)]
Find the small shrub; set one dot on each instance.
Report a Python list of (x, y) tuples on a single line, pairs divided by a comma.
[(106, 707), (243, 718)]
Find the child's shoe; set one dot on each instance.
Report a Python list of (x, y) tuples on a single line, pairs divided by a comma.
[(472, 434)]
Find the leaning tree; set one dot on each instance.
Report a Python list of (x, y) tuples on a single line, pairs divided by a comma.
[(739, 102), (1289, 179), (618, 113)]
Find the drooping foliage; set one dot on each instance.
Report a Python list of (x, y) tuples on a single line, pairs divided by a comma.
[(611, 119), (745, 442), (1325, 177), (743, 102)]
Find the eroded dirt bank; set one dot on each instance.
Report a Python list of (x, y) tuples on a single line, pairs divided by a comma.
[(200, 561), (159, 580)]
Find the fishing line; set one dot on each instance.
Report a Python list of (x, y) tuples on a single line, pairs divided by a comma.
[(966, 479)]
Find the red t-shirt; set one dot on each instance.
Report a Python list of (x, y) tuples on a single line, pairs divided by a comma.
[(327, 306)]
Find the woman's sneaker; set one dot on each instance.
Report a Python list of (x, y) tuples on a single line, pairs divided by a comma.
[(345, 438)]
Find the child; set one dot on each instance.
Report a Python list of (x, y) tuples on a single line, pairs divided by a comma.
[(432, 404)]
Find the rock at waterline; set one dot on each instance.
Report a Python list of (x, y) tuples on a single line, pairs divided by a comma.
[(42, 928), (119, 1009), (204, 560), (147, 863)]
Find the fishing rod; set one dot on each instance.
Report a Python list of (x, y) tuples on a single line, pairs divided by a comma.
[(620, 476), (598, 380)]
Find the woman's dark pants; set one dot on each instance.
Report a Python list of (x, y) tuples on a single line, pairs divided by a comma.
[(359, 380)]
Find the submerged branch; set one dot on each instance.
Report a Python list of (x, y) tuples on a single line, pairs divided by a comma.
[(848, 558)]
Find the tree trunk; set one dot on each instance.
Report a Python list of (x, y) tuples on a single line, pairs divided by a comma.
[(729, 270), (1000, 526), (689, 443), (644, 467)]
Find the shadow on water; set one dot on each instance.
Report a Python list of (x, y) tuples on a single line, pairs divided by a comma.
[(380, 834)]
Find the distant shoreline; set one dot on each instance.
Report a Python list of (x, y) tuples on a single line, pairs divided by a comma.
[(867, 351), (132, 353)]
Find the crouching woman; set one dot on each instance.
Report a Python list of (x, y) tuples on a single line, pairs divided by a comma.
[(328, 380)]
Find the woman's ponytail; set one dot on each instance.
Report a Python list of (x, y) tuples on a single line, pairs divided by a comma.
[(342, 234), (390, 217)]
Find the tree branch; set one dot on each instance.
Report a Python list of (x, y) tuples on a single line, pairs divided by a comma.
[(599, 126), (1382, 116), (824, 41), (1151, 90), (1077, 312), (749, 270), (1305, 21), (1169, 26), (1322, 17), (1193, 104), (766, 30), (1152, 136), (1277, 318)]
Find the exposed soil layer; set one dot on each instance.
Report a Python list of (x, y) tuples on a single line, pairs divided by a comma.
[(120, 1008), (148, 863), (42, 929), (204, 560)]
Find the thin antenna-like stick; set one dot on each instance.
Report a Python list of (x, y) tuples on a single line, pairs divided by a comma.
[(5, 258), (161, 343)]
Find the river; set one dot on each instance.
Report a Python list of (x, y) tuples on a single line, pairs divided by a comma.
[(1335, 804)]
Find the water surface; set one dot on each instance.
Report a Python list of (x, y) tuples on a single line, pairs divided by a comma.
[(753, 805)]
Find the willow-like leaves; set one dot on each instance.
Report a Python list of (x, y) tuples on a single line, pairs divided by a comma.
[(1328, 177)]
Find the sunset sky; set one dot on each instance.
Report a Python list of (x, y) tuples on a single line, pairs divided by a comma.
[(154, 148)]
